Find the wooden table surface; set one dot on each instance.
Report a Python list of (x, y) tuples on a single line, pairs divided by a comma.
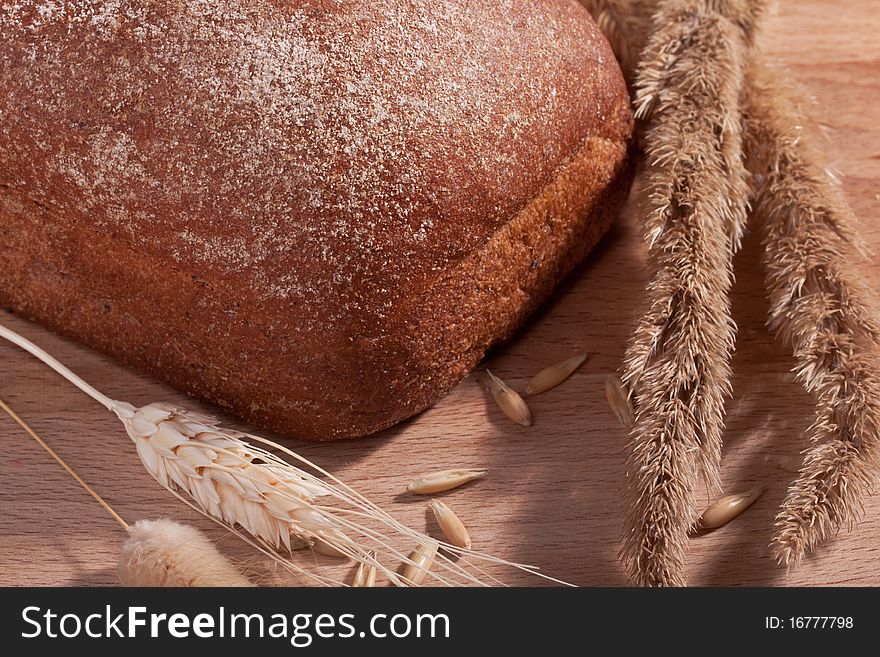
[(553, 494)]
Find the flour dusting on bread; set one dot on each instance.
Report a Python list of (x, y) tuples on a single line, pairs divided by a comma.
[(316, 213), (334, 131)]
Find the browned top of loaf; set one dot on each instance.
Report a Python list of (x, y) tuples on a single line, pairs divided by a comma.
[(323, 153)]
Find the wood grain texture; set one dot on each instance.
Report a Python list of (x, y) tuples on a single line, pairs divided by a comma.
[(553, 494)]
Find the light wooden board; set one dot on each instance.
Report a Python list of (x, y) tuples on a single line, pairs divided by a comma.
[(553, 496)]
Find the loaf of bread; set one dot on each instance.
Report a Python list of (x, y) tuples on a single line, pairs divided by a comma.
[(318, 214)]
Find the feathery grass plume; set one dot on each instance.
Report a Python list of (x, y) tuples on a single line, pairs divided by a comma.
[(822, 309), (677, 364), (626, 24), (223, 475), (167, 553), (157, 552)]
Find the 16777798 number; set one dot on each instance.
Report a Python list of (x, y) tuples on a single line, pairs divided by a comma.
[(809, 622)]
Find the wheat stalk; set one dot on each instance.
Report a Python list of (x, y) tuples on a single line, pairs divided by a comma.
[(821, 307), (157, 552), (220, 474), (677, 364)]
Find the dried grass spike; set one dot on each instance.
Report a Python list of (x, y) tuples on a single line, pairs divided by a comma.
[(509, 401), (444, 480), (823, 309), (419, 563), (552, 376), (167, 553), (626, 24), (452, 526), (678, 360), (725, 509)]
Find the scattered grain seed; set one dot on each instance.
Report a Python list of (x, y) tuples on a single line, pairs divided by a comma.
[(452, 526), (728, 507), (552, 376), (365, 575), (420, 562), (438, 482), (618, 400), (509, 401), (328, 549)]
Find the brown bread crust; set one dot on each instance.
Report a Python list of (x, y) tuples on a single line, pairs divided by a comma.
[(318, 215)]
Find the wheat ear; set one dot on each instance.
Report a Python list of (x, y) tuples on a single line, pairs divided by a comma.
[(157, 552), (822, 309), (281, 506), (677, 364)]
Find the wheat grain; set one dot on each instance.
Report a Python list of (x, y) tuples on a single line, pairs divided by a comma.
[(365, 575), (328, 549), (444, 480), (220, 472), (419, 563), (509, 401), (552, 376), (725, 509), (451, 525), (618, 400)]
